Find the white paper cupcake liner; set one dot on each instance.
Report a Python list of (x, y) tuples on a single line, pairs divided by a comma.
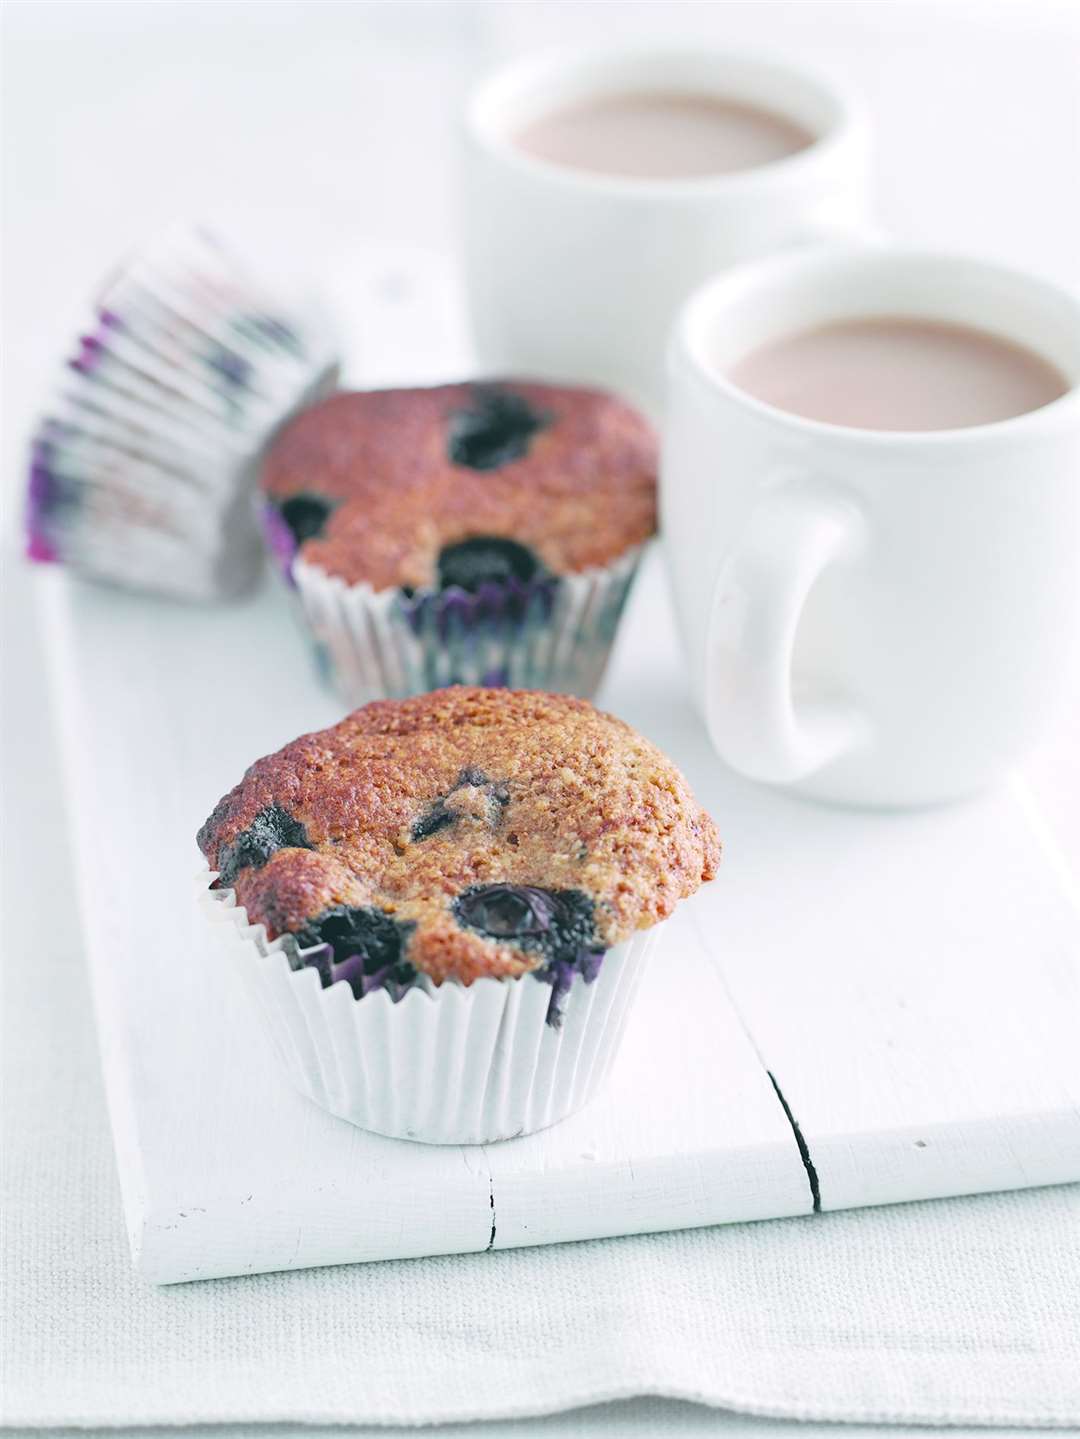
[(452, 1064), (188, 314), (553, 634), (185, 368), (94, 419), (145, 524)]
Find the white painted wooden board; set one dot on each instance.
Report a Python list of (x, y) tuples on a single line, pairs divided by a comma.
[(912, 982)]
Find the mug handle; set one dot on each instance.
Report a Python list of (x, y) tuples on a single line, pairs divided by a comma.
[(794, 534)]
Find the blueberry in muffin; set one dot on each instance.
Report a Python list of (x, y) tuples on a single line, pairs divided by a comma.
[(494, 428), (461, 834), (443, 535)]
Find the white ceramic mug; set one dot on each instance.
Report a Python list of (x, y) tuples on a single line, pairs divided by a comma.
[(576, 276), (871, 617)]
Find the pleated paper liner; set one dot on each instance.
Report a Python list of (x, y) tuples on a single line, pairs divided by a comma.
[(117, 516), (121, 537), (141, 390), (447, 1064), (555, 633), (194, 304), (183, 372), (236, 381), (88, 422), (176, 485)]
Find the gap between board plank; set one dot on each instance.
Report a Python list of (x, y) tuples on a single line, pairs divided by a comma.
[(812, 1178)]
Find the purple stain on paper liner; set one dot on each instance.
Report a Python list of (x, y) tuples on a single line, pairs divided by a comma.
[(41, 489), (559, 923), (362, 946), (91, 353), (40, 499), (93, 348), (452, 610), (365, 946), (510, 593), (280, 539), (40, 550), (289, 523), (561, 973)]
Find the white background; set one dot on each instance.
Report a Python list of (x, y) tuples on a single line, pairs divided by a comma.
[(308, 129)]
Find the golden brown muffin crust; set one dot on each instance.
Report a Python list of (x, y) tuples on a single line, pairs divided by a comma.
[(582, 492), (408, 804)]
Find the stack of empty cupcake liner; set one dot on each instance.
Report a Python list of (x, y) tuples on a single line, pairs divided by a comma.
[(143, 468)]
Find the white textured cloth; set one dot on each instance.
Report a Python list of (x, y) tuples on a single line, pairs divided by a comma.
[(625, 1419), (964, 1312)]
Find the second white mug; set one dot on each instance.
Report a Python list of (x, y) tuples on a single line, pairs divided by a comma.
[(577, 276), (871, 616)]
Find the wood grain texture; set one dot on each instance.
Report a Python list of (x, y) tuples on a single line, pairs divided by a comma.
[(902, 988)]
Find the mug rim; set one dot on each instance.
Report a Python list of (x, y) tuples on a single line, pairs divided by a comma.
[(707, 302), (847, 124)]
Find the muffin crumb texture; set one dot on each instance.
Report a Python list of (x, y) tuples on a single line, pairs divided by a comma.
[(462, 833), (378, 487)]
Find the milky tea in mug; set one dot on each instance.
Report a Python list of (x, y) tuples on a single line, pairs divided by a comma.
[(891, 372), (602, 187), (870, 503), (661, 135)]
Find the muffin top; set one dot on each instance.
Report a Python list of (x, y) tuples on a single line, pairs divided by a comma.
[(396, 487), (462, 833)]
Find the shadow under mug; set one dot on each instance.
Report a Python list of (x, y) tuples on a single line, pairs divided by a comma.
[(871, 617), (577, 276)]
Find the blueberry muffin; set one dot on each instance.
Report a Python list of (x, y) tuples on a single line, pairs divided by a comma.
[(474, 533), (470, 850)]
